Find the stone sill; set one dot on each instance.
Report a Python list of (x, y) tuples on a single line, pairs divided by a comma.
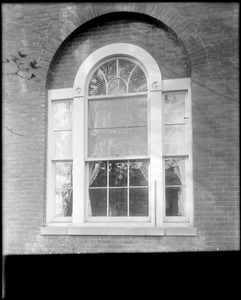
[(141, 231)]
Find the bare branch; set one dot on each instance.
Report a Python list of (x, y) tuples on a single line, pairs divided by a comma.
[(9, 129)]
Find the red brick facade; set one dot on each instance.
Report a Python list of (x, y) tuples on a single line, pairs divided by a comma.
[(196, 40)]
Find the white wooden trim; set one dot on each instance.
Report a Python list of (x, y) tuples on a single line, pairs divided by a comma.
[(78, 159), (176, 84), (129, 50), (60, 94)]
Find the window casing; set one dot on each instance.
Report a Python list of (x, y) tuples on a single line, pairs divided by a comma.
[(169, 157)]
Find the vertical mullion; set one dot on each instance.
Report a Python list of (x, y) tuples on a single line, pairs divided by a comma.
[(128, 190), (107, 188)]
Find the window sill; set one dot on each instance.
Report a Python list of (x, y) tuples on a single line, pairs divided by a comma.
[(106, 230)]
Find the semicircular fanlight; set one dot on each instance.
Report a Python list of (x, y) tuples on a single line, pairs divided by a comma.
[(97, 85), (117, 86), (137, 81)]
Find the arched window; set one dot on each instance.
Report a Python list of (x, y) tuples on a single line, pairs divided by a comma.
[(120, 155)]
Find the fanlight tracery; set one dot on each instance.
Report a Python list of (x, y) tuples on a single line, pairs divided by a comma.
[(117, 76)]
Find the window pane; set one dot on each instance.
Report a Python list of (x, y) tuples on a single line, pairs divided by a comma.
[(117, 113), (138, 172), (117, 142), (175, 171), (137, 112), (97, 85), (109, 69), (137, 141), (97, 116), (174, 108), (118, 173), (64, 175), (117, 86), (63, 201), (98, 173), (175, 201), (98, 202), (137, 81), (175, 139), (63, 144), (138, 200), (125, 68), (118, 202), (97, 142), (62, 115)]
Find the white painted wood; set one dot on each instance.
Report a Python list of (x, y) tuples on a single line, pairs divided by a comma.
[(176, 84), (78, 159), (129, 50), (60, 94)]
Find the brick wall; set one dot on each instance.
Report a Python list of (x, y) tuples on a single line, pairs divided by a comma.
[(29, 28)]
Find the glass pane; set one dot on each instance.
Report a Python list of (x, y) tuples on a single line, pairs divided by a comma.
[(118, 173), (64, 175), (98, 173), (138, 201), (117, 113), (63, 144), (97, 84), (109, 69), (138, 173), (175, 201), (98, 202), (97, 142), (174, 108), (125, 68), (137, 81), (117, 142), (97, 116), (137, 141), (137, 112), (62, 115), (175, 171), (118, 202), (63, 203), (117, 86), (175, 139)]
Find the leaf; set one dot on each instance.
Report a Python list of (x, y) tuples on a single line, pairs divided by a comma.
[(21, 54), (33, 64)]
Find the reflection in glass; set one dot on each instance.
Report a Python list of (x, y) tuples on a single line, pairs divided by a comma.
[(64, 175), (118, 202), (175, 171), (63, 202), (118, 173), (125, 68), (138, 201), (97, 85), (175, 139), (117, 113), (137, 81), (63, 144), (97, 116), (175, 201), (138, 172), (98, 202), (62, 115), (117, 142), (98, 174), (137, 138), (174, 108), (109, 69), (117, 86), (137, 112), (97, 142)]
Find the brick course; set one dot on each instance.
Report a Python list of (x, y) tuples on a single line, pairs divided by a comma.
[(197, 40)]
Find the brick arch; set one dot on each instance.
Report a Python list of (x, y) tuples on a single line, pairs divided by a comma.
[(171, 18)]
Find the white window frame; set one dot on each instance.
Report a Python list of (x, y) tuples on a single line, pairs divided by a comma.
[(78, 224)]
